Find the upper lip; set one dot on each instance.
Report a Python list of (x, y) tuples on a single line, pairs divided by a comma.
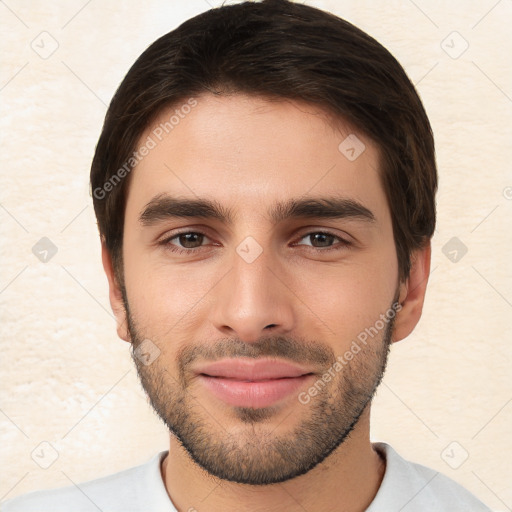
[(252, 369)]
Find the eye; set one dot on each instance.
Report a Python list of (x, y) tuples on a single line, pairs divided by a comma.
[(189, 241), (322, 241)]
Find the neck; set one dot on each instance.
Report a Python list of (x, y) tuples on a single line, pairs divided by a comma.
[(347, 480)]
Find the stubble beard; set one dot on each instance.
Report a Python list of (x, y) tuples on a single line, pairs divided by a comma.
[(245, 447)]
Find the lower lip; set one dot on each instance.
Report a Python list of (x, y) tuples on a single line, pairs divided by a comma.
[(252, 394)]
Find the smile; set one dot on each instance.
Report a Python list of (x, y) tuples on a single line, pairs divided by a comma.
[(252, 383)]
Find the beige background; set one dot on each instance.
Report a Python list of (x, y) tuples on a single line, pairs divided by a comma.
[(66, 378)]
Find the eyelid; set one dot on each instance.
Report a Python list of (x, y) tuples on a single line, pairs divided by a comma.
[(310, 230), (167, 237)]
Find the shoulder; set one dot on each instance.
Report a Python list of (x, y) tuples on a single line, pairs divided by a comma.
[(126, 491), (411, 487)]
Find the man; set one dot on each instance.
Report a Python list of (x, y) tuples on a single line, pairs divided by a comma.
[(264, 186)]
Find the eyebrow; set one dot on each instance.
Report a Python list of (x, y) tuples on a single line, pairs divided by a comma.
[(164, 207)]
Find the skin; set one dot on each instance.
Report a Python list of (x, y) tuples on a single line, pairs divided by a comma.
[(247, 153)]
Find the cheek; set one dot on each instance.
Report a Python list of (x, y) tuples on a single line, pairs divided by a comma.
[(161, 294), (343, 301)]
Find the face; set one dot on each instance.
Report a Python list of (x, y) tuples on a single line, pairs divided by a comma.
[(261, 315)]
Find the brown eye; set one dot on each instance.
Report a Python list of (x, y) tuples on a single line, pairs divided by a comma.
[(190, 240), (320, 239), (185, 242)]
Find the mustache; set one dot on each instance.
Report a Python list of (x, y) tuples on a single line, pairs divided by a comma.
[(299, 351)]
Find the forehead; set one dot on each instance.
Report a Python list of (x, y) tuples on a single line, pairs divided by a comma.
[(247, 151)]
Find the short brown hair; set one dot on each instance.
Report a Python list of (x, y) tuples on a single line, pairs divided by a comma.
[(276, 49)]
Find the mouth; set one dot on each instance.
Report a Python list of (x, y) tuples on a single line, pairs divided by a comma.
[(254, 383)]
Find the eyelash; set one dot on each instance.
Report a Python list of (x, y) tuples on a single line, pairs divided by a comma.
[(343, 244)]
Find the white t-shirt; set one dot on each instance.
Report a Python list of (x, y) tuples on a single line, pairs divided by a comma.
[(406, 487)]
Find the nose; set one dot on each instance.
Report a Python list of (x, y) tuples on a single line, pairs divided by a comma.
[(253, 300)]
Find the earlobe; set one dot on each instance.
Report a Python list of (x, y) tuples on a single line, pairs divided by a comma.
[(412, 293), (115, 294)]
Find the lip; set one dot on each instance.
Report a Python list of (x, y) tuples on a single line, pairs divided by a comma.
[(255, 383), (252, 369)]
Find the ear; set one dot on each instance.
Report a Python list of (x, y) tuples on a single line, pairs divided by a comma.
[(412, 294), (115, 295)]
